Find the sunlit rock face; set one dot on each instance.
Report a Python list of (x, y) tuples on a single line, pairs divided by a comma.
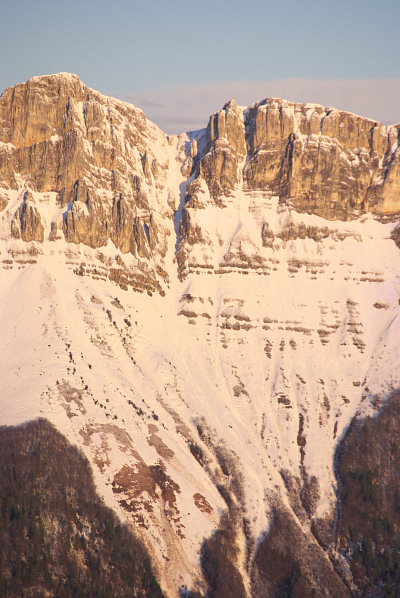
[(324, 161), (102, 165), (27, 223), (203, 315)]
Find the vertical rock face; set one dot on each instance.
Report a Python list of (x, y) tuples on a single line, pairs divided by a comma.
[(225, 150), (327, 162), (42, 126), (324, 161), (103, 164), (75, 132), (27, 223)]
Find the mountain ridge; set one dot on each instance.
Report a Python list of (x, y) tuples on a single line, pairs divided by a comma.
[(199, 313)]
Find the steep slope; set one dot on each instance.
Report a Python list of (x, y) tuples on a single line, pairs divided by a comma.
[(368, 523), (56, 537), (204, 314), (99, 170), (326, 162)]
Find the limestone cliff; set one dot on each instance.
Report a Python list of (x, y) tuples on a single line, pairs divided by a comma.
[(204, 315), (324, 161), (111, 169), (27, 223), (104, 166)]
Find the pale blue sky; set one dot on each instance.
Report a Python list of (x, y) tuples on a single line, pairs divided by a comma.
[(131, 48)]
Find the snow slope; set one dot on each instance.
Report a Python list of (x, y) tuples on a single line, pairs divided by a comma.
[(269, 348)]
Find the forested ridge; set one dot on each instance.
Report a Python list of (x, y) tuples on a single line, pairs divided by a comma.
[(56, 536)]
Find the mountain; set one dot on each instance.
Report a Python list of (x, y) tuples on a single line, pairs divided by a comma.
[(212, 318)]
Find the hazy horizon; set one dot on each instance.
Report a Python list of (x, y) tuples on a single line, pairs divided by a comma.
[(181, 61)]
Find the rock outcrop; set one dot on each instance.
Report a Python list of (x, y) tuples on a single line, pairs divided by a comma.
[(58, 132), (105, 165), (27, 223), (226, 148), (324, 161)]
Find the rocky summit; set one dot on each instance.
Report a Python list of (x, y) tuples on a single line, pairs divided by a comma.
[(212, 318)]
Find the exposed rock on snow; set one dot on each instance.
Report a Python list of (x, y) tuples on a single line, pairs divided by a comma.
[(203, 314), (324, 161), (26, 223)]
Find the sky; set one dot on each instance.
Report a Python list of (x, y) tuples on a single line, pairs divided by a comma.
[(181, 60)]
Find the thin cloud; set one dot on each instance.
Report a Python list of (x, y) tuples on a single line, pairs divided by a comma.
[(181, 108), (142, 102)]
